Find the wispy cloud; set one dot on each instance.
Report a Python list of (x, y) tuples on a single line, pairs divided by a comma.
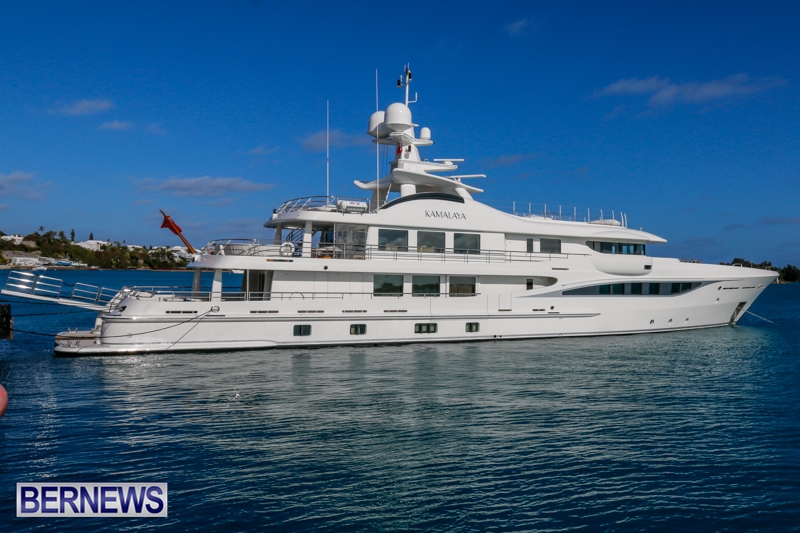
[(664, 92), (22, 185), (774, 221), (733, 227), (263, 150), (204, 186), (316, 141), (86, 107), (507, 160), (155, 129), (115, 125), (518, 27)]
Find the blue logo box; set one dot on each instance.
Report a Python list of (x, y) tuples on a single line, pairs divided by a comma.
[(92, 499)]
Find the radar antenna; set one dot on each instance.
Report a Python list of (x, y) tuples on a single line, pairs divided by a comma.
[(404, 81)]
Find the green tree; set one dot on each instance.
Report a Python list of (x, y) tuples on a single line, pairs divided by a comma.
[(790, 273), (91, 236), (72, 235)]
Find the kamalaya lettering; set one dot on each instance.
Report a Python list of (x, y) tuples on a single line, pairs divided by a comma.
[(453, 215)]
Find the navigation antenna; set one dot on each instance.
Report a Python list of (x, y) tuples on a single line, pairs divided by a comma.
[(404, 81), (327, 151), (377, 151)]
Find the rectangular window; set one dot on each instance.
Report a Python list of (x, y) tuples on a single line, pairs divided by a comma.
[(686, 287), (425, 286), (638, 249), (606, 247), (425, 328), (462, 286), (605, 289), (473, 327), (530, 246), (358, 329), (430, 242), (550, 246), (467, 243), (387, 285), (529, 284), (618, 288), (636, 288), (393, 240), (302, 331), (653, 288), (676, 288)]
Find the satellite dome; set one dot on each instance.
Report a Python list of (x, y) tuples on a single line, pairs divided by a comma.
[(398, 117), (375, 127)]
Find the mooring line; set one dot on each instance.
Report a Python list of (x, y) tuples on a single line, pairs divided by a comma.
[(761, 317)]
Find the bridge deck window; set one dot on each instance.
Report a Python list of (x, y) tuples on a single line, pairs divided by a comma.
[(624, 248), (550, 246), (467, 243), (393, 240), (430, 242)]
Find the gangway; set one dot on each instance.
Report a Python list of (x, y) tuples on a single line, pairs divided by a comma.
[(29, 285)]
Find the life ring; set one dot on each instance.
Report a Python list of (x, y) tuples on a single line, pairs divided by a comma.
[(287, 249)]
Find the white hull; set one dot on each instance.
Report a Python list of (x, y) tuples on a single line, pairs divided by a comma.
[(392, 320)]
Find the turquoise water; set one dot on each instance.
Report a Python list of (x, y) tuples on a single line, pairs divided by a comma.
[(687, 431)]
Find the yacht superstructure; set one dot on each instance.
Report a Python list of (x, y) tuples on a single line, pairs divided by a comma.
[(419, 260)]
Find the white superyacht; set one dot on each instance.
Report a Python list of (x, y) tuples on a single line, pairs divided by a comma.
[(419, 260)]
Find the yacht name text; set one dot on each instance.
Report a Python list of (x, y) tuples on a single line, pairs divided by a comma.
[(453, 215)]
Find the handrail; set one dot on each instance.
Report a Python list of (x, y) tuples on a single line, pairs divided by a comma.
[(323, 250), (208, 296), (44, 286)]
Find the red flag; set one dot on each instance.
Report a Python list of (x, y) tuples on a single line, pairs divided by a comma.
[(171, 225)]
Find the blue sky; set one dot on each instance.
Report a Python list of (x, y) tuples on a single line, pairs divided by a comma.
[(683, 115)]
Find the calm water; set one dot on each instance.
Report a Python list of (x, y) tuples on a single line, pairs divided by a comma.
[(694, 431)]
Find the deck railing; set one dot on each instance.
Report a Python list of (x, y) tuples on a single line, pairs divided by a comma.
[(27, 283), (167, 294), (320, 250)]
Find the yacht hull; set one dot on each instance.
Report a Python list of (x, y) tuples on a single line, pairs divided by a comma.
[(193, 326)]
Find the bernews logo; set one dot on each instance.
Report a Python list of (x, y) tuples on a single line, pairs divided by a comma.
[(91, 499)]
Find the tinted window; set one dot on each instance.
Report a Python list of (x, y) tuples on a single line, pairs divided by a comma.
[(387, 285), (467, 243), (302, 331), (472, 327), (393, 239), (530, 246), (425, 285), (358, 329), (425, 328), (462, 286), (550, 246), (430, 241)]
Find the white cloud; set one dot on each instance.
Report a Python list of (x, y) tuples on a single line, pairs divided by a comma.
[(115, 125), (201, 186), (155, 129), (262, 150), (22, 185), (86, 107), (515, 29), (506, 160), (316, 141), (664, 92)]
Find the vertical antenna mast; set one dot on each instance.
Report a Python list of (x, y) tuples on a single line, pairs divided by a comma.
[(377, 152), (404, 81), (327, 150)]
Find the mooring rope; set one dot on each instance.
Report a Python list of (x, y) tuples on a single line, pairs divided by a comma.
[(761, 317)]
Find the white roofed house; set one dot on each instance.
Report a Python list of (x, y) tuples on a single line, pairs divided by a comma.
[(93, 245)]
